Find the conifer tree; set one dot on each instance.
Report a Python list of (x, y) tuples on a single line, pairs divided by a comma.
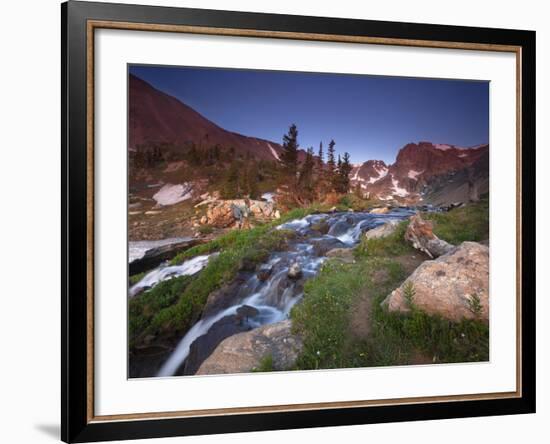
[(344, 170), (231, 187), (306, 171), (320, 159), (289, 157), (331, 163)]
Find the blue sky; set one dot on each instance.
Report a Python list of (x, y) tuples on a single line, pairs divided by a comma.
[(371, 117)]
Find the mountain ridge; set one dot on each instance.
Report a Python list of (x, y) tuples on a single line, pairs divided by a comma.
[(418, 166), (158, 117)]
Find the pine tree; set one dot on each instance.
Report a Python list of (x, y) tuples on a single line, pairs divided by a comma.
[(320, 159), (344, 171), (289, 157), (336, 179), (251, 175), (306, 171), (231, 187), (331, 164)]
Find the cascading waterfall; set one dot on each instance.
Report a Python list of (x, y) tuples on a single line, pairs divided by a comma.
[(165, 272), (273, 298)]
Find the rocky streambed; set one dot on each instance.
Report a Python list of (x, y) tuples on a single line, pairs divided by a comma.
[(264, 294)]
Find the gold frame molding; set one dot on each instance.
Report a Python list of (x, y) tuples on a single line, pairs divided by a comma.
[(92, 25)]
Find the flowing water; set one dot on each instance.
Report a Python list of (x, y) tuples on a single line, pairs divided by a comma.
[(165, 272), (270, 293)]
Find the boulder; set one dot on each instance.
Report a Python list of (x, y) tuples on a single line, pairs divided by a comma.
[(236, 212), (455, 286), (295, 271), (343, 254), (225, 297), (204, 345), (247, 311), (322, 226), (382, 230), (383, 210), (264, 272), (420, 234), (321, 246), (244, 352)]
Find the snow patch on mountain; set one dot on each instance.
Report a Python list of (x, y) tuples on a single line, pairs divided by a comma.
[(273, 152), (412, 174), (397, 190), (171, 194), (442, 146), (382, 172)]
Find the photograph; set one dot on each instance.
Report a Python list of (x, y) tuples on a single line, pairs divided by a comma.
[(301, 221)]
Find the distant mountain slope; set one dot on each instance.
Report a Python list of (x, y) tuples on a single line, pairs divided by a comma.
[(434, 173), (156, 117)]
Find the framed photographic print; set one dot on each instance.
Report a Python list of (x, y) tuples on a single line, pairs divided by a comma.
[(276, 221)]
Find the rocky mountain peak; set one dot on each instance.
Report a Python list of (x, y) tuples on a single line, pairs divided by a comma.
[(418, 166)]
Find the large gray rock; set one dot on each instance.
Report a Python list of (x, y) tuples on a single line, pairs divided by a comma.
[(382, 230), (420, 234), (204, 345), (343, 254), (455, 286), (322, 245), (383, 210), (295, 271), (244, 352)]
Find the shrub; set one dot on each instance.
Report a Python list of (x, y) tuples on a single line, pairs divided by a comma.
[(408, 293), (474, 304)]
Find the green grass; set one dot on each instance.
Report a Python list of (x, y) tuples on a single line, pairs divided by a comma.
[(323, 316), (323, 319), (396, 337), (142, 308), (134, 279), (392, 245), (265, 365), (467, 223)]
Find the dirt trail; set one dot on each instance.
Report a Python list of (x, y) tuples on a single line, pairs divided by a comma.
[(360, 324)]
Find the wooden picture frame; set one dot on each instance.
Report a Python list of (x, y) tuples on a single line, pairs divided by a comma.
[(79, 22)]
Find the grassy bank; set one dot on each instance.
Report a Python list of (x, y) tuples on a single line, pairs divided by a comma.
[(328, 313), (467, 223), (237, 239)]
